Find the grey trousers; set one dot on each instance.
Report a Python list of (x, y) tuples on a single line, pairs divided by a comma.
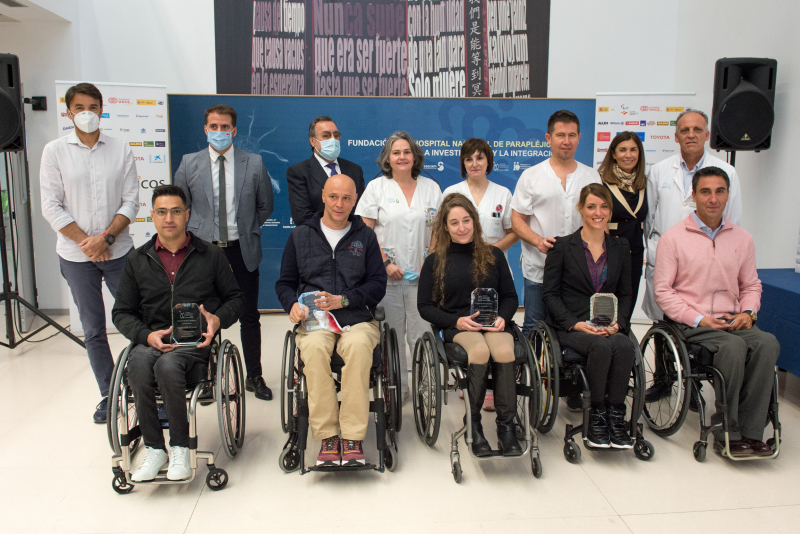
[(148, 368), (746, 359)]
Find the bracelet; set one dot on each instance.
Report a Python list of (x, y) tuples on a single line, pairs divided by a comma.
[(387, 262)]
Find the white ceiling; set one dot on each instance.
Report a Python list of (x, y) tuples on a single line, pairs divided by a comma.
[(39, 10)]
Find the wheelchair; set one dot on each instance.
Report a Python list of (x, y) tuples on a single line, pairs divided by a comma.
[(387, 403), (439, 368), (669, 357), (563, 373), (221, 381)]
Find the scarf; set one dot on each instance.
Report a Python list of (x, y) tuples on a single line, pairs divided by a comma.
[(625, 179)]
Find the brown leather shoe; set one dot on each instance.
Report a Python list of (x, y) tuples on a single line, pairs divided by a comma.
[(759, 447), (738, 447)]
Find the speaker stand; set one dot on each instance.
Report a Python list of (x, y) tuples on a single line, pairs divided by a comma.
[(732, 158), (8, 296)]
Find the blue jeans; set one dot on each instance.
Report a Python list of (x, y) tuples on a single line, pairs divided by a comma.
[(534, 306), (85, 281)]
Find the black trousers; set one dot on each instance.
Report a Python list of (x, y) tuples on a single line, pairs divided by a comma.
[(250, 322), (148, 368), (637, 264), (610, 360)]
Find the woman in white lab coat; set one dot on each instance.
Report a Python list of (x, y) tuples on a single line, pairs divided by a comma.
[(401, 206), (490, 199)]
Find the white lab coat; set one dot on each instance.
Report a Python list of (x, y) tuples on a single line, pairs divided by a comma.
[(666, 199)]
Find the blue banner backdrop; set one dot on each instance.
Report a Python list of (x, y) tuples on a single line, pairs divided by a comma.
[(277, 128)]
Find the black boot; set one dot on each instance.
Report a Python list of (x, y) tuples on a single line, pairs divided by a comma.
[(598, 429), (477, 381), (505, 403), (620, 438)]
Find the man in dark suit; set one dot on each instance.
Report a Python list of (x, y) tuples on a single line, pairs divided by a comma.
[(230, 196), (307, 178)]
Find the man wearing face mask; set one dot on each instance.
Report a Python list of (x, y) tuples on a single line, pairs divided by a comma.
[(307, 178), (90, 194), (230, 196)]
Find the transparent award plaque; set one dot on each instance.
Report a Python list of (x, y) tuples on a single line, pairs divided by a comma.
[(187, 324), (484, 302), (312, 311), (603, 309)]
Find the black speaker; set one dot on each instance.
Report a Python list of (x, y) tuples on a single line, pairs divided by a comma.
[(744, 97), (10, 104)]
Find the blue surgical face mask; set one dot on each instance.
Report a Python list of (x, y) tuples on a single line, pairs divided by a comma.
[(410, 276), (329, 148), (220, 140)]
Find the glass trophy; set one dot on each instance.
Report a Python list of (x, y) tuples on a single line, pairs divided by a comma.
[(484, 303), (187, 324), (603, 310), (723, 301), (312, 311)]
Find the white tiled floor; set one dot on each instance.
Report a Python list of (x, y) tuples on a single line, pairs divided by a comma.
[(57, 477)]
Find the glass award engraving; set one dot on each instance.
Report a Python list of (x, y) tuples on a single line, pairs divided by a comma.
[(484, 302), (723, 301), (187, 324), (603, 309), (312, 312)]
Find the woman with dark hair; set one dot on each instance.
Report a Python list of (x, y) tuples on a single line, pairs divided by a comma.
[(578, 266), (491, 200), (460, 262), (401, 207), (623, 173)]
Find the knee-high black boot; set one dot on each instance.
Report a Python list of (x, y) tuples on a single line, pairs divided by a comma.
[(505, 403), (477, 380)]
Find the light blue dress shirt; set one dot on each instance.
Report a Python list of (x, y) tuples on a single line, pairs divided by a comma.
[(689, 174)]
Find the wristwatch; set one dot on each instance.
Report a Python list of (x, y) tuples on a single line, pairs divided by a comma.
[(387, 262), (753, 315), (109, 238), (345, 302)]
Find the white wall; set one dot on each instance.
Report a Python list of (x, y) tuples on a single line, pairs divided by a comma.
[(615, 45), (148, 41)]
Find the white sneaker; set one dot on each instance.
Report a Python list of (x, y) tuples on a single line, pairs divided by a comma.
[(154, 461), (179, 468)]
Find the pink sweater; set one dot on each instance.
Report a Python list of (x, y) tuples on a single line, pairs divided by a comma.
[(690, 267)]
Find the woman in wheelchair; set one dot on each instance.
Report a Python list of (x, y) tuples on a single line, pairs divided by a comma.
[(578, 266), (460, 262)]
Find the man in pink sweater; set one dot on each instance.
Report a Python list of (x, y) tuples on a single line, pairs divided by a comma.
[(706, 281)]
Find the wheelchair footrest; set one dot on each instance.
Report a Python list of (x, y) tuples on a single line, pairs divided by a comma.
[(339, 469)]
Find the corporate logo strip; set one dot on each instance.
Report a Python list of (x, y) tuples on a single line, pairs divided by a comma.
[(138, 116), (651, 117)]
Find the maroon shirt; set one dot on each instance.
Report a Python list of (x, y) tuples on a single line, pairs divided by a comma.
[(171, 261), (597, 269)]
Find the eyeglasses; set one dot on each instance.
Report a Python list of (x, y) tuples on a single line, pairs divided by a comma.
[(175, 212)]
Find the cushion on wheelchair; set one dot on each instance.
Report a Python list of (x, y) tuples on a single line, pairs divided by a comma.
[(456, 355), (700, 354), (571, 356)]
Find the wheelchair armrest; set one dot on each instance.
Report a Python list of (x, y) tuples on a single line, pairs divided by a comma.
[(379, 314)]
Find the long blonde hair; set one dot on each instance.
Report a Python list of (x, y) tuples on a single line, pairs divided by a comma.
[(482, 255)]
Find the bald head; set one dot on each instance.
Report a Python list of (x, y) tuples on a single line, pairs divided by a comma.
[(339, 196)]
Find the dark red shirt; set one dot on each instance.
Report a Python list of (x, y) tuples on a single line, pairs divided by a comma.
[(171, 261), (597, 269)]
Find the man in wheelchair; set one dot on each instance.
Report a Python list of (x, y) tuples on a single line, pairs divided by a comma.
[(336, 257), (712, 291), (174, 267)]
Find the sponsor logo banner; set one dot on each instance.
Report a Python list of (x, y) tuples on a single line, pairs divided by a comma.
[(602, 109), (135, 144), (604, 136), (148, 144), (675, 110), (115, 100), (145, 102)]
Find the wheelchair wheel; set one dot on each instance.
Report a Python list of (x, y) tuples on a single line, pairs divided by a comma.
[(391, 379), (390, 456), (665, 361), (545, 347), (115, 415), (455, 467), (699, 451), (643, 449), (230, 399), (536, 466), (289, 460), (634, 400), (288, 380), (216, 479), (426, 393), (121, 485), (572, 452)]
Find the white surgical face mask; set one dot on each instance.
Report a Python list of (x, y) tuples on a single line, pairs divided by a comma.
[(86, 121)]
